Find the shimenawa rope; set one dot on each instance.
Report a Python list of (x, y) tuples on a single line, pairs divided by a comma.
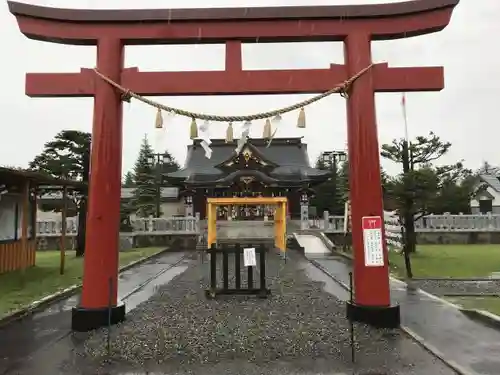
[(341, 88)]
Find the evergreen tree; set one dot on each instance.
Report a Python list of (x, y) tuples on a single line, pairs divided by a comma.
[(129, 180), (424, 188), (343, 179), (168, 164), (68, 156), (143, 201), (329, 195), (487, 168)]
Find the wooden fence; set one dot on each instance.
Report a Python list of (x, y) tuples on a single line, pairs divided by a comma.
[(13, 257)]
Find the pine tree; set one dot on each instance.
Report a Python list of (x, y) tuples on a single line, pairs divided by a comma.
[(343, 180), (143, 201), (169, 163), (328, 195), (129, 180)]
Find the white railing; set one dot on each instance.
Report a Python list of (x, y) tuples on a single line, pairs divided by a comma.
[(172, 225), (161, 226), (334, 224), (53, 228), (437, 223)]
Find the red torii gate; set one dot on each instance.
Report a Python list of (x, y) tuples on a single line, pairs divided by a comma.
[(111, 30)]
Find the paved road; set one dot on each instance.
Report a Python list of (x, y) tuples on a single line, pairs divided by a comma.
[(25, 344), (311, 244), (472, 345)]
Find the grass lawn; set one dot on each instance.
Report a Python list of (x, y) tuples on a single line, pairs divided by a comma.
[(491, 304), (449, 261), (18, 289)]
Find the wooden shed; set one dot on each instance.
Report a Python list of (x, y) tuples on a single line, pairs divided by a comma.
[(18, 207)]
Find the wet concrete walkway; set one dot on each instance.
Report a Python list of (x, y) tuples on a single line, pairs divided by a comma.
[(42, 340), (474, 347)]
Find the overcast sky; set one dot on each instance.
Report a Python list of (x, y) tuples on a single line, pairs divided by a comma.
[(464, 113)]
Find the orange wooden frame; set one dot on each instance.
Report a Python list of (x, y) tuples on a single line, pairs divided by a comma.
[(279, 217)]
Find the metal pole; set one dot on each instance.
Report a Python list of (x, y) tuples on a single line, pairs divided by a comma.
[(158, 185), (351, 298), (110, 301)]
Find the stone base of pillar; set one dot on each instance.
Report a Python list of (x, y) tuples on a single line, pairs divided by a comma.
[(85, 320), (376, 316)]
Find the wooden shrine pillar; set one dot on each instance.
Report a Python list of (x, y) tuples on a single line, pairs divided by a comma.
[(100, 276), (372, 302)]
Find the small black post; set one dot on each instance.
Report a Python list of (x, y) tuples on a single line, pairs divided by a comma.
[(237, 266), (351, 298), (250, 277), (351, 294), (213, 268), (262, 268), (110, 302), (225, 269)]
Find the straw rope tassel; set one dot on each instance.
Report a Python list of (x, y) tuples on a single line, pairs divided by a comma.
[(194, 129), (159, 119), (267, 130), (340, 88), (301, 121), (229, 133)]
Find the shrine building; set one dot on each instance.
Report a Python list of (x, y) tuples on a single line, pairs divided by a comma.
[(259, 170)]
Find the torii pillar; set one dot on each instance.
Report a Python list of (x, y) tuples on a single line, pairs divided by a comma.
[(111, 30)]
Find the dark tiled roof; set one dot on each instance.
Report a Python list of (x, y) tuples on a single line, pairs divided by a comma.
[(289, 154), (126, 193), (491, 180), (19, 176)]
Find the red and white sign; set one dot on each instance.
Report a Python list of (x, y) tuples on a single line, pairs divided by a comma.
[(373, 241)]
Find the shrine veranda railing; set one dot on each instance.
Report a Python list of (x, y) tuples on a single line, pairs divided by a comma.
[(334, 224)]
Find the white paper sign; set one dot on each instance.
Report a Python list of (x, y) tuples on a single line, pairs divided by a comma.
[(249, 259), (373, 241)]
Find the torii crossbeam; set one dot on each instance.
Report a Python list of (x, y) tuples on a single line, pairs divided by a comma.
[(111, 30)]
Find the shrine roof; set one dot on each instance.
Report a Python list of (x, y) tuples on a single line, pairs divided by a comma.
[(288, 156), (17, 177), (230, 14)]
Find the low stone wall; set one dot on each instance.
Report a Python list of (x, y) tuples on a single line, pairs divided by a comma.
[(188, 241), (178, 241), (437, 238), (458, 238), (236, 230)]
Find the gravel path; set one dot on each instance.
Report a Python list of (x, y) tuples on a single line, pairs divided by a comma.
[(300, 329), (450, 287)]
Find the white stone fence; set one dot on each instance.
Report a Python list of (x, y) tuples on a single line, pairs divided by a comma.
[(329, 224), (430, 223), (153, 226)]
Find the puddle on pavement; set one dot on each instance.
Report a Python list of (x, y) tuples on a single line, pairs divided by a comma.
[(329, 285), (488, 367), (58, 308), (151, 288), (127, 276)]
